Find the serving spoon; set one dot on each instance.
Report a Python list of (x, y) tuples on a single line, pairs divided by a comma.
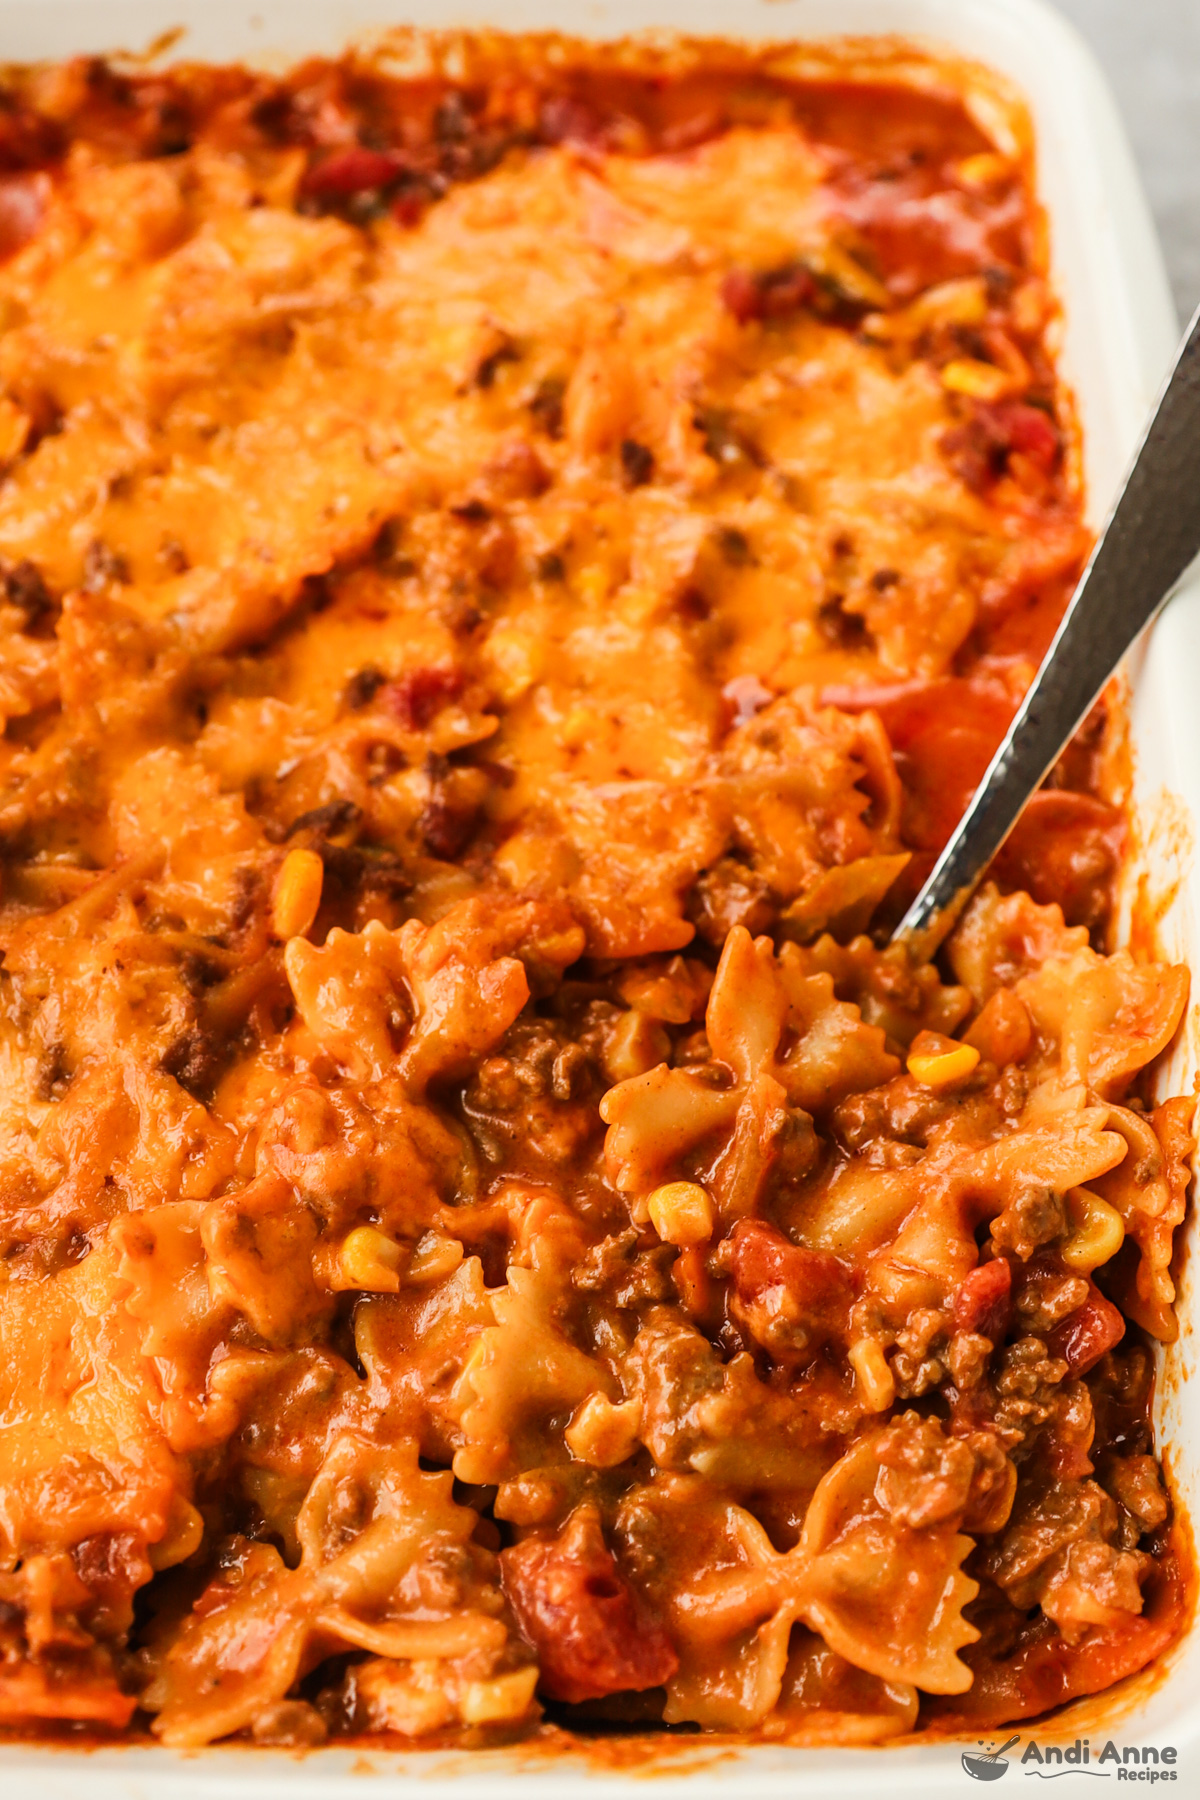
[(1150, 536)]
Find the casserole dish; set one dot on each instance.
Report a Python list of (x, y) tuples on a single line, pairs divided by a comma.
[(1109, 410)]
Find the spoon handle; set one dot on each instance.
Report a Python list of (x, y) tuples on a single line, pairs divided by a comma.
[(1150, 537)]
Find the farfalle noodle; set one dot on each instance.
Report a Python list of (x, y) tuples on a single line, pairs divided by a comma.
[(514, 554)]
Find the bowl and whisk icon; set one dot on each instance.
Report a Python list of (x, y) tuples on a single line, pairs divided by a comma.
[(987, 1765)]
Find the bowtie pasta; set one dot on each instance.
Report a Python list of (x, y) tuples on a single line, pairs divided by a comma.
[(513, 557)]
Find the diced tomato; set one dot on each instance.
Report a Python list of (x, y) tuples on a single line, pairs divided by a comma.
[(566, 119), (349, 172), (768, 295), (112, 1565), (922, 228), (980, 444), (761, 1257), (1031, 431), (28, 139), (591, 1634), (1065, 848), (410, 206), (421, 693), (983, 1301), (742, 295), (944, 733), (1082, 1338), (785, 289), (786, 1296)]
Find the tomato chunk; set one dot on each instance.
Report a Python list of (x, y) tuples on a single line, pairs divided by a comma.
[(592, 1634), (787, 1297), (944, 733), (761, 1257), (1031, 431), (983, 1301), (1065, 849), (768, 295), (921, 227), (353, 172), (991, 431), (1091, 1329), (421, 693)]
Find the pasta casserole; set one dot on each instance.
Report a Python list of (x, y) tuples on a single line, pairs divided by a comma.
[(513, 557)]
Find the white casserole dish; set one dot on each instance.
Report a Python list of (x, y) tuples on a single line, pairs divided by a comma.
[(1120, 332)]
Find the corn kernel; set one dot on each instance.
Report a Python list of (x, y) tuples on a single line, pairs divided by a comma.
[(985, 169), (592, 585), (636, 604), (370, 1260), (977, 380), (951, 303), (603, 1434), (1097, 1231), (461, 347), (875, 1380), (578, 726), (518, 659), (504, 1697), (297, 896), (939, 1062), (1028, 307), (681, 1213), (833, 263)]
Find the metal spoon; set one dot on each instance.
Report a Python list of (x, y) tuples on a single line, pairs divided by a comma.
[(1150, 537)]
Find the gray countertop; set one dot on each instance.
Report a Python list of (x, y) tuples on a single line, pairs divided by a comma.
[(1150, 50)]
